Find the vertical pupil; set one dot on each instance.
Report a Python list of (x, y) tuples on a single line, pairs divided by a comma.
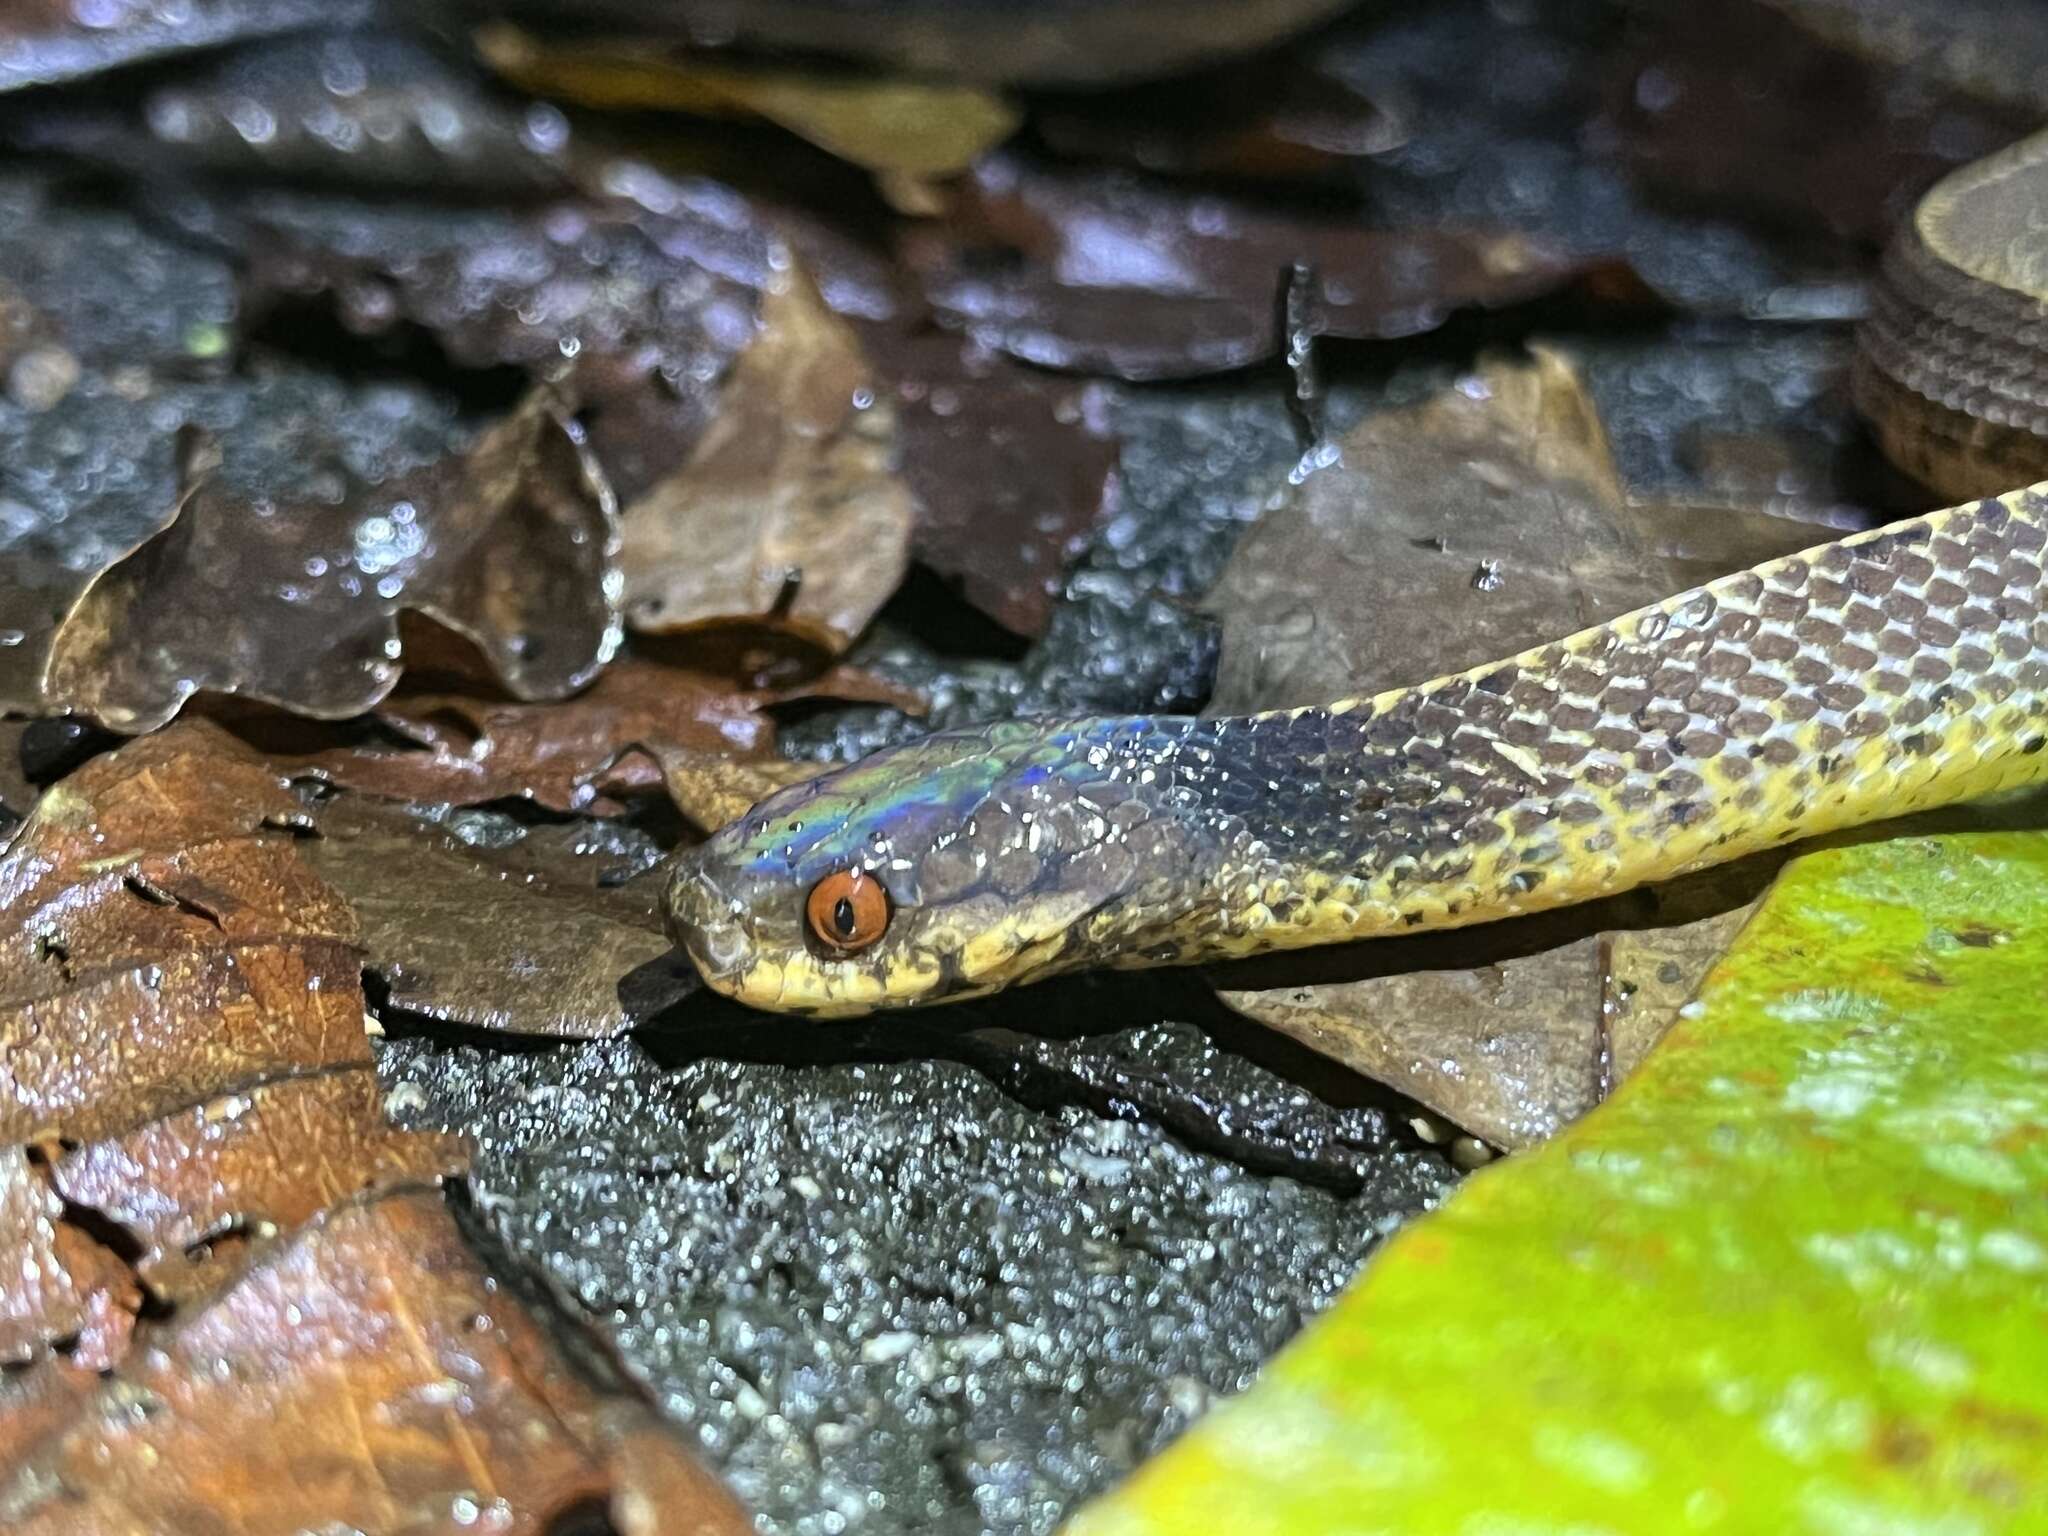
[(842, 916)]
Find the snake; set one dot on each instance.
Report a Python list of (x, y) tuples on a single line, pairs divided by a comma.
[(1893, 670)]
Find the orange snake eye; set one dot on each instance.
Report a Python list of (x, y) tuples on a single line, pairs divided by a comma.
[(848, 910)]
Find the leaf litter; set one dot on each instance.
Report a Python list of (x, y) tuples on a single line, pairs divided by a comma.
[(299, 1271)]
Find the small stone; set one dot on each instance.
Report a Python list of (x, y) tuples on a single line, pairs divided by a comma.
[(1471, 1152), (41, 377), (1429, 1129)]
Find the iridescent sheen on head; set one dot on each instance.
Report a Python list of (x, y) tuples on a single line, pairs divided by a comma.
[(991, 844)]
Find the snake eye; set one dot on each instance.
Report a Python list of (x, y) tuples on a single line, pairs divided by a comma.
[(847, 910)]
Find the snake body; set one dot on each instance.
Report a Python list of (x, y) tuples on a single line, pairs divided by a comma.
[(1891, 671)]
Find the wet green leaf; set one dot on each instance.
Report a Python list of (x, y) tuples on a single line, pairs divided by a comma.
[(1794, 1276)]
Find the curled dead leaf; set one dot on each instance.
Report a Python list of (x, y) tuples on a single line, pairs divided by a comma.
[(633, 314), (790, 511), (511, 545)]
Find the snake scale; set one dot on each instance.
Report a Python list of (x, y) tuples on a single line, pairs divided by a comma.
[(1898, 669)]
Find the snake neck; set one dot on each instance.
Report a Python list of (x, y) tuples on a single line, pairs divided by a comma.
[(1891, 672)]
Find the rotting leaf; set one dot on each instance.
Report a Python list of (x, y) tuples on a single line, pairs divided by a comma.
[(1510, 466), (267, 1159), (1508, 471), (566, 755), (366, 1374), (790, 511), (1012, 470), (58, 1283), (1107, 273), (465, 939), (162, 943), (511, 544), (896, 127), (1512, 1051), (182, 1033), (1790, 1274)]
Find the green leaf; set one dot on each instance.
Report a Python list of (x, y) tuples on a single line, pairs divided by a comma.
[(1793, 1277)]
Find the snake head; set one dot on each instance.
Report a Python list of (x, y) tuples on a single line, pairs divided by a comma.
[(944, 869)]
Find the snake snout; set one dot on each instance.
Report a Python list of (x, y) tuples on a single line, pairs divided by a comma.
[(702, 921)]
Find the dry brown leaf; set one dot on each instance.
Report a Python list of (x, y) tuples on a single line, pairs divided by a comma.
[(188, 1111), (511, 545), (264, 1160), (563, 755), (710, 790), (364, 1375), (59, 1283), (1363, 578), (1012, 470), (789, 512), (1106, 273), (1485, 520), (1514, 1051), (896, 126), (182, 1032), (470, 938), (160, 943)]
